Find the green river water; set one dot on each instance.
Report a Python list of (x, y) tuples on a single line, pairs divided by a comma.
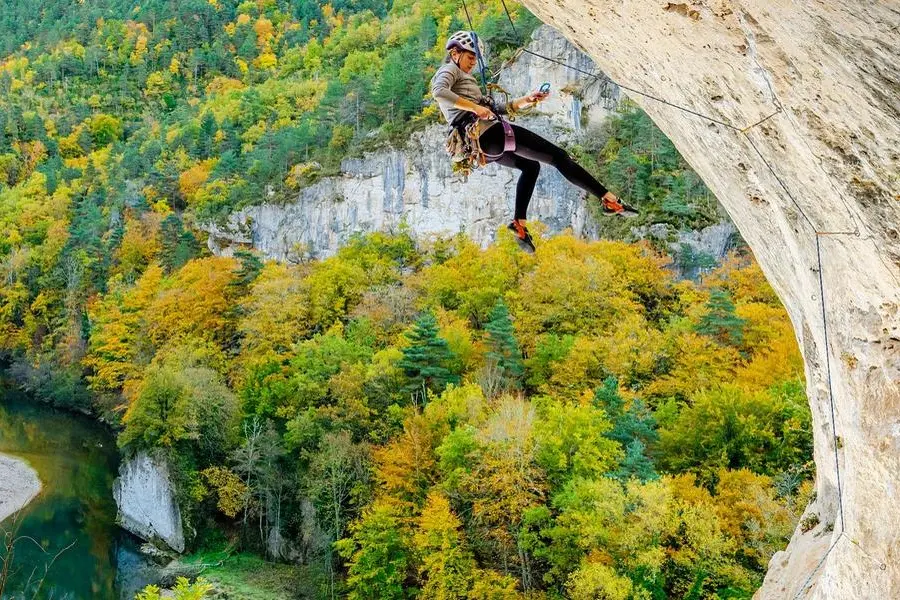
[(76, 460)]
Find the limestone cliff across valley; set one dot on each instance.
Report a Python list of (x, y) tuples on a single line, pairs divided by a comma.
[(415, 184), (19, 484)]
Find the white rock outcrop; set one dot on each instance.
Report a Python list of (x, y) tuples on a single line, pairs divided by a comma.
[(19, 484), (824, 77), (145, 495)]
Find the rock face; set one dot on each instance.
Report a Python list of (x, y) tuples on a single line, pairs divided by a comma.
[(708, 245), (19, 484), (134, 570), (145, 496), (823, 216), (415, 184)]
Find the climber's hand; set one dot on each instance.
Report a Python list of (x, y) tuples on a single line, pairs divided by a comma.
[(535, 97), (483, 112)]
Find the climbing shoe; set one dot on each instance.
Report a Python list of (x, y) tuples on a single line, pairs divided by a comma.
[(617, 207), (523, 238)]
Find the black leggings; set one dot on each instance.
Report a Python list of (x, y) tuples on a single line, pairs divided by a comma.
[(532, 150)]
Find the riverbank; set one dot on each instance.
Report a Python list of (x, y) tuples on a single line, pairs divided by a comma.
[(76, 460), (19, 484)]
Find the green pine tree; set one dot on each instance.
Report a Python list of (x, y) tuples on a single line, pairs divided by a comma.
[(424, 360), (249, 270), (504, 349), (400, 88), (635, 422), (206, 135), (636, 464), (633, 427), (607, 397), (720, 321), (178, 244), (85, 142)]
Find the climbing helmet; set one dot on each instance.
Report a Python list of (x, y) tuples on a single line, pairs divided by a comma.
[(465, 40)]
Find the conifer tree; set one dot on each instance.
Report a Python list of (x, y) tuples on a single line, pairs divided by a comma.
[(400, 87), (425, 358), (249, 270), (720, 321), (629, 424), (504, 349), (634, 428), (206, 135), (636, 464), (178, 245)]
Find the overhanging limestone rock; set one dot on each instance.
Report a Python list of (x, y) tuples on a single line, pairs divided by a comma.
[(826, 74)]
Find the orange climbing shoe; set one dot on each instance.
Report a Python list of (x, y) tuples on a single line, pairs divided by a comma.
[(617, 207), (523, 238)]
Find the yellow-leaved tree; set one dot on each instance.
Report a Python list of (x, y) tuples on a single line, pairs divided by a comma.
[(119, 346), (196, 300)]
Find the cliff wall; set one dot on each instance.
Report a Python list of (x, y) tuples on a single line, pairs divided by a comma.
[(815, 190)]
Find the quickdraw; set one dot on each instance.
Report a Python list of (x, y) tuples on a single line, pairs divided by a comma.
[(464, 148)]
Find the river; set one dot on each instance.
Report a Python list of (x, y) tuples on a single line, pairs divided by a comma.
[(77, 460)]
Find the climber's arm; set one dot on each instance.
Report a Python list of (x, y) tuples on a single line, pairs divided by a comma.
[(441, 85), (442, 92), (528, 100), (466, 104)]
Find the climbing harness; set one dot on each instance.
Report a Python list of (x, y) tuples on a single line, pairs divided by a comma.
[(463, 147), (463, 142)]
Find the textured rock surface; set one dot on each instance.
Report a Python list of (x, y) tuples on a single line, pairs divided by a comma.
[(715, 240), (146, 501), (134, 571), (416, 184), (712, 242), (19, 484), (833, 67)]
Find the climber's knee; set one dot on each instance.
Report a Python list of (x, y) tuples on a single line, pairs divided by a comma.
[(531, 167), (561, 158)]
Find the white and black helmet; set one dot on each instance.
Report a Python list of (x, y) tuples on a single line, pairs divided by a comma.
[(465, 40)]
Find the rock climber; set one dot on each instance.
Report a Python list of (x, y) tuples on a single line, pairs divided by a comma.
[(482, 136)]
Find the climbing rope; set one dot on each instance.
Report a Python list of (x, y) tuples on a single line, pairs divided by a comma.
[(479, 58), (882, 566), (606, 79), (819, 234)]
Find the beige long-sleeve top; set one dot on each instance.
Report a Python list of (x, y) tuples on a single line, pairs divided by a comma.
[(449, 83)]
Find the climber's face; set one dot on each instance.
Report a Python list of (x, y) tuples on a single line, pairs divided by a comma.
[(464, 59)]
